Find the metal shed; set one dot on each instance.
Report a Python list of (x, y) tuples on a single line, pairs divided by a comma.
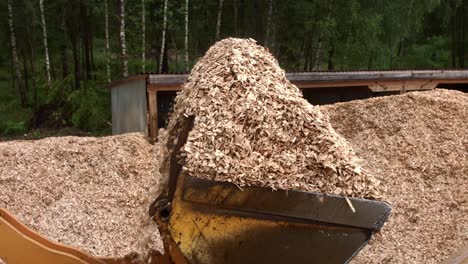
[(129, 105), (141, 103)]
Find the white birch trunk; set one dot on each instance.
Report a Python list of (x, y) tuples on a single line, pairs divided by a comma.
[(107, 43), (143, 36), (14, 54), (218, 23), (186, 36), (44, 36), (268, 26), (163, 41), (122, 39)]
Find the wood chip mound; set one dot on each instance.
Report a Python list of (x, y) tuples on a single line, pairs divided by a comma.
[(417, 146), (253, 127), (89, 193)]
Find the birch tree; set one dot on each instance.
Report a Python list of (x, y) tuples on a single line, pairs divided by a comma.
[(44, 37), (143, 36), (14, 55), (218, 23), (186, 36), (163, 39), (107, 42), (122, 40)]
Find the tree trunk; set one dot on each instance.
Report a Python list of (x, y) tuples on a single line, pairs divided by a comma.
[(399, 52), (268, 25), (174, 45), (107, 42), (165, 62), (91, 48), (186, 36), (370, 61), (83, 63), (163, 39), (345, 56), (259, 30), (85, 37), (14, 56), (122, 40), (331, 54), (30, 33), (461, 37), (307, 47), (25, 72), (63, 28), (454, 41), (317, 53), (44, 37), (241, 18), (143, 37), (236, 17), (76, 58), (218, 23)]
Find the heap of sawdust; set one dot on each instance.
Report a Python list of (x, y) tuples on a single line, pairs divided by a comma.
[(89, 193), (417, 146), (253, 127)]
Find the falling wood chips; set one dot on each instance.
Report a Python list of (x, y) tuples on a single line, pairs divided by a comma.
[(253, 127), (417, 146), (89, 193)]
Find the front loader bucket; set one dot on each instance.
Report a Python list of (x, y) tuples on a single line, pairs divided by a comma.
[(217, 222), (19, 244)]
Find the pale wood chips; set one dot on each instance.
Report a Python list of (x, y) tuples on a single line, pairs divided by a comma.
[(417, 146), (253, 127), (90, 193)]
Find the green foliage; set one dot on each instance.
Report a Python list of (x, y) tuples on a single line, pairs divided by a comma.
[(431, 54), (90, 109), (303, 35), (12, 128), (14, 119)]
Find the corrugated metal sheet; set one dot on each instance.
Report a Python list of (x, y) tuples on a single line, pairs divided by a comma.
[(129, 107)]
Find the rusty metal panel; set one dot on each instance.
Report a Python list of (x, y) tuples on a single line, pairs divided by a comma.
[(129, 107)]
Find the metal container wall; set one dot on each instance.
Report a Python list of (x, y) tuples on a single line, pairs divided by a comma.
[(129, 107)]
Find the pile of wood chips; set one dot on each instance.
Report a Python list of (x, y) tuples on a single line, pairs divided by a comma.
[(89, 193), (253, 127), (417, 146)]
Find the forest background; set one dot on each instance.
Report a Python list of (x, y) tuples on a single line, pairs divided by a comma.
[(59, 55)]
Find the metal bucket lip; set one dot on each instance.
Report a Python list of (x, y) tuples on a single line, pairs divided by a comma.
[(311, 206)]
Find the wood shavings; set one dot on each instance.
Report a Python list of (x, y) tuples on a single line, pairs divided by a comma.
[(417, 146), (253, 127), (89, 193)]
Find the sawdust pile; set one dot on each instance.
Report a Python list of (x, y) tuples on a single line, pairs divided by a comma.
[(417, 146), (253, 127), (89, 193)]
